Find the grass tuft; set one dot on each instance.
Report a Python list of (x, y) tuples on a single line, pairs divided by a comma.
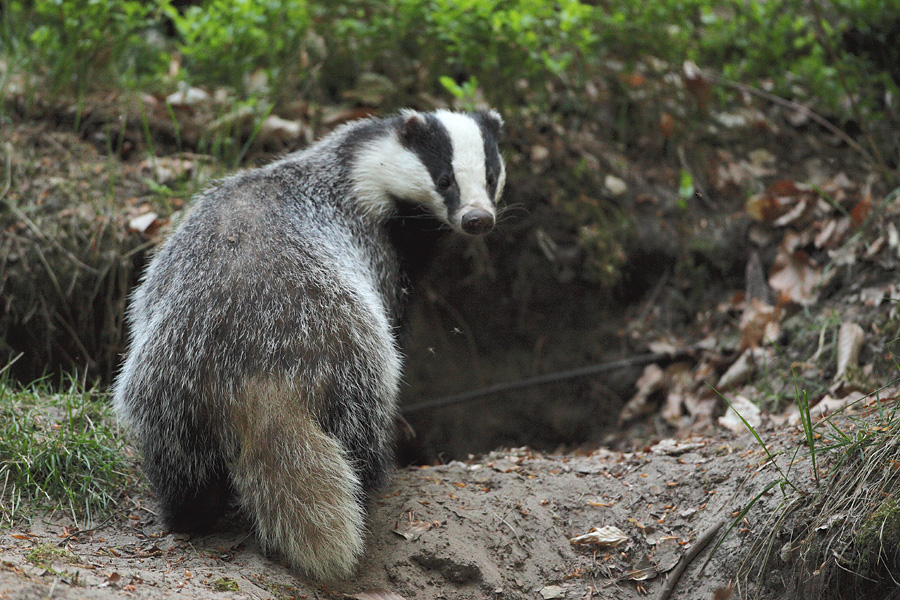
[(59, 451), (841, 539)]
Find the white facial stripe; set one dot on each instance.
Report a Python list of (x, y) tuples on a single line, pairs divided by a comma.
[(383, 168), (468, 160)]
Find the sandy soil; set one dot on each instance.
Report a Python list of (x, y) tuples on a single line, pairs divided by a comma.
[(496, 527)]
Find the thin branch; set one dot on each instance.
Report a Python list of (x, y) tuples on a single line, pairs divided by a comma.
[(798, 107), (506, 386), (698, 546)]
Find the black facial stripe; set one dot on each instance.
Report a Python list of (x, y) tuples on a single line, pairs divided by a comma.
[(432, 145), (488, 129), (358, 136)]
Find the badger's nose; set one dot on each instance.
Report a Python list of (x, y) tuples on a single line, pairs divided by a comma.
[(477, 221)]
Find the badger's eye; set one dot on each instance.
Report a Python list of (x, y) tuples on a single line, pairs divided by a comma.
[(491, 179), (444, 182)]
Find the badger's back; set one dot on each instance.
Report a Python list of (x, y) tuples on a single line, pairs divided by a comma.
[(266, 275)]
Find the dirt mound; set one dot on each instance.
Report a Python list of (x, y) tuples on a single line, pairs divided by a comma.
[(498, 527)]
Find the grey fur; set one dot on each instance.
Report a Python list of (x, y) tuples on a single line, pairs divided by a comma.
[(263, 361)]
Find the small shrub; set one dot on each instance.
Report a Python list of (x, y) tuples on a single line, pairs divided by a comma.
[(73, 42), (224, 41)]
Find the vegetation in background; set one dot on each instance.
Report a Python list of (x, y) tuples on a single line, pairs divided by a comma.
[(542, 63), (58, 450), (816, 51), (74, 45)]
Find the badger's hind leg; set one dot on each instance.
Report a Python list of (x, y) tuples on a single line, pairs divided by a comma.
[(295, 482), (185, 464)]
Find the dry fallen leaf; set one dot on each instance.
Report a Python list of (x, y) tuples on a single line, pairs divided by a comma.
[(187, 96), (643, 570), (740, 370), (376, 594), (552, 591), (672, 447), (849, 343), (141, 223), (760, 324), (601, 536), (276, 129), (722, 593), (652, 380), (795, 275), (781, 203), (412, 529), (828, 405), (740, 405), (861, 211), (755, 286)]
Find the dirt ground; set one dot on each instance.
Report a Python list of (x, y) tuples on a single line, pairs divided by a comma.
[(497, 527)]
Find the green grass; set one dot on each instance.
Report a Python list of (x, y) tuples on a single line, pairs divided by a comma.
[(59, 451), (842, 522)]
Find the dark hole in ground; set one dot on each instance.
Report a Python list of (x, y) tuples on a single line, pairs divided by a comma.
[(446, 357)]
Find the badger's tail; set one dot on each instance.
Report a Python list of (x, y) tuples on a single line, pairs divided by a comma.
[(295, 482)]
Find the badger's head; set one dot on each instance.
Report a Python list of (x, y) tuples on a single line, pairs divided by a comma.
[(445, 162)]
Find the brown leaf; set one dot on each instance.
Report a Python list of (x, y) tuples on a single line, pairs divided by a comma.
[(667, 125), (782, 203), (796, 276), (412, 529), (861, 211), (740, 370), (755, 286), (760, 323), (722, 593), (697, 84)]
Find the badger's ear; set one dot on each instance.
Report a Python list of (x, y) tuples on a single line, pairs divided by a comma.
[(412, 125), (491, 121)]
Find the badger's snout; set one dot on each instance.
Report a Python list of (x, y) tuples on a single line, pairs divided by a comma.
[(477, 221)]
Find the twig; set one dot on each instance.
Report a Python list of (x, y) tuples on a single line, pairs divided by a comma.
[(506, 386), (436, 299), (503, 520), (798, 107), (8, 365), (9, 150), (102, 524), (701, 543), (650, 301)]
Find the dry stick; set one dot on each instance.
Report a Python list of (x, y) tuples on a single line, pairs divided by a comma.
[(70, 536), (506, 386), (691, 554), (798, 107)]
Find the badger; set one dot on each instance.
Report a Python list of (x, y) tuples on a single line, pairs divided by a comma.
[(264, 361)]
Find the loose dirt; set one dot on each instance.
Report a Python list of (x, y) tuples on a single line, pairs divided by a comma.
[(499, 526)]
